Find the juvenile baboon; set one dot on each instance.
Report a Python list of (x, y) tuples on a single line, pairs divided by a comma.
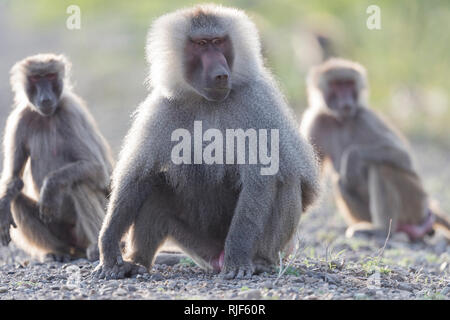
[(374, 176), (206, 65), (56, 165)]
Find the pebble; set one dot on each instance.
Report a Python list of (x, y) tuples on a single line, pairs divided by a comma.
[(121, 292), (69, 287), (446, 291), (360, 296), (3, 289), (267, 284), (250, 294), (157, 277), (405, 286)]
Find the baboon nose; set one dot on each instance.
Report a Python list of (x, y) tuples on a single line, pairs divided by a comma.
[(46, 102), (222, 77), (221, 80)]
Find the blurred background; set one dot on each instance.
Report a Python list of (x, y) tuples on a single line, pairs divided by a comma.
[(407, 60)]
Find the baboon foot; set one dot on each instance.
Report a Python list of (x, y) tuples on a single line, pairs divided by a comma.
[(118, 270), (418, 231), (238, 272), (57, 257), (92, 252)]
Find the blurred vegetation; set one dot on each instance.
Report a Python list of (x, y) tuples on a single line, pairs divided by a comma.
[(408, 59)]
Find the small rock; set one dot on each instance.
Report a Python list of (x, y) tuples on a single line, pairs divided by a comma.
[(443, 266), (400, 237), (157, 277), (405, 286), (250, 294), (441, 246), (131, 288), (446, 291), (267, 284), (3, 289), (69, 287), (371, 292), (121, 292), (359, 296)]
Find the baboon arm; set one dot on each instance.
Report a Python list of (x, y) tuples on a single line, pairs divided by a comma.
[(15, 157), (252, 212), (75, 172), (387, 154), (126, 201)]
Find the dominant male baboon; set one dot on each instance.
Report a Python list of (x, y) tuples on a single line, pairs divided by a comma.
[(374, 177), (56, 165), (206, 65)]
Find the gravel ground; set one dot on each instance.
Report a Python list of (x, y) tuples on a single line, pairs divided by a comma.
[(326, 266)]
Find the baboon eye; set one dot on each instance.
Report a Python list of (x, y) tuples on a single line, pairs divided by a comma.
[(202, 42), (217, 41), (51, 76)]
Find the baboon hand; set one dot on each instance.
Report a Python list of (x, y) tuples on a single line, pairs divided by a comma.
[(117, 269), (6, 220), (50, 201)]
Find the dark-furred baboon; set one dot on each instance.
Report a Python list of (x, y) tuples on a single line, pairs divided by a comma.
[(374, 177), (206, 65), (56, 165)]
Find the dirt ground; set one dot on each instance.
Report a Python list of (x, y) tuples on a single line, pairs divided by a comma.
[(327, 265)]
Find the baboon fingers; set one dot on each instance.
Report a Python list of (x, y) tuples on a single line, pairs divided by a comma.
[(126, 269), (58, 257), (244, 272)]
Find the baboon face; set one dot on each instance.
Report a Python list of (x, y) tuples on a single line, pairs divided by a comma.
[(341, 97), (208, 61), (44, 91)]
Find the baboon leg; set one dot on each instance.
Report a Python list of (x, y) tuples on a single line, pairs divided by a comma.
[(281, 228), (385, 199), (26, 215), (351, 204), (399, 195), (355, 210), (147, 234)]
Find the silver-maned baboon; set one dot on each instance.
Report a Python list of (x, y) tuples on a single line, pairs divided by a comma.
[(374, 177), (206, 65), (56, 165)]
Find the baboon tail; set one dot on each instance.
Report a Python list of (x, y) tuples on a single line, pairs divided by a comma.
[(90, 206)]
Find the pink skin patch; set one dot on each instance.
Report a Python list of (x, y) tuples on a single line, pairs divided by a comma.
[(217, 263), (415, 231)]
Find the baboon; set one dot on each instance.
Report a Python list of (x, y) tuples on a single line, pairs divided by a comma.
[(206, 65), (56, 165), (375, 182)]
